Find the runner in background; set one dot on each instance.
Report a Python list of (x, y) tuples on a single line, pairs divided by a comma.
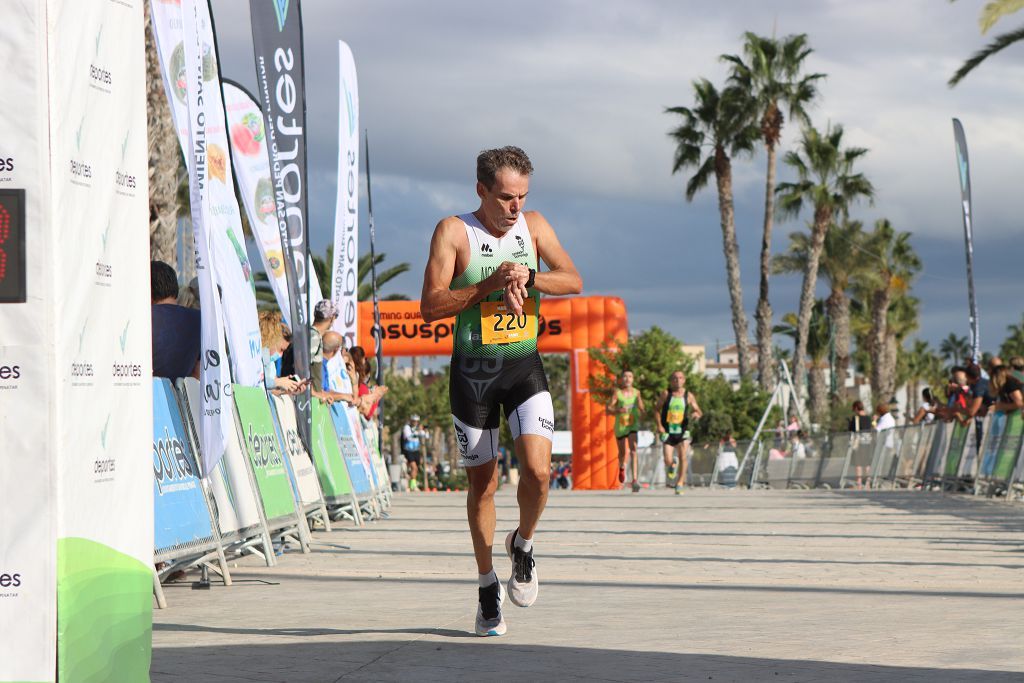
[(676, 408), (627, 405)]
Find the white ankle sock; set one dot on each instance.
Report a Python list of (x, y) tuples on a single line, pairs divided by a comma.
[(487, 579), (524, 544)]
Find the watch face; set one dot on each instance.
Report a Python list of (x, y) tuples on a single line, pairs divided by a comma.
[(12, 246)]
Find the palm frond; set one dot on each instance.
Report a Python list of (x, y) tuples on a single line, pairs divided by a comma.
[(1003, 41)]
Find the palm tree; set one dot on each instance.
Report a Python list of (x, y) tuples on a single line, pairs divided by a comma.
[(322, 266), (883, 285), (717, 128), (825, 180), (817, 349), (922, 364), (770, 70), (843, 259), (164, 157), (993, 12), (1013, 345), (954, 348)]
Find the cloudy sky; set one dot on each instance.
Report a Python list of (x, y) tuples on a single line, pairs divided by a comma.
[(582, 86)]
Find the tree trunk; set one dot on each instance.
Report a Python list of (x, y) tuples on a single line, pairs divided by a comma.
[(763, 315), (416, 370), (723, 176), (839, 312), (890, 357), (880, 300), (164, 153), (822, 219), (817, 388)]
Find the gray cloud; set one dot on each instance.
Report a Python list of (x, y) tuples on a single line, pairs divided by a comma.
[(582, 86)]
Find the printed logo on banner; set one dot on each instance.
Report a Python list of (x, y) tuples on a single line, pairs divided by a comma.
[(80, 168), (177, 73), (100, 77), (266, 454), (83, 372), (281, 8), (247, 136), (10, 374), (125, 182), (104, 270), (104, 466), (126, 372), (6, 168), (9, 582), (172, 467)]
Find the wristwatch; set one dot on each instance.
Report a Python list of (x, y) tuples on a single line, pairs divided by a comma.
[(530, 280)]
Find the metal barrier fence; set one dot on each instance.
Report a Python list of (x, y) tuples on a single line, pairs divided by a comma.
[(980, 456)]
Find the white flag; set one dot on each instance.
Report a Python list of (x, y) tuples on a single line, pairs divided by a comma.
[(345, 276)]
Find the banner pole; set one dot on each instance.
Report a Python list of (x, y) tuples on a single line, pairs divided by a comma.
[(378, 342), (964, 174)]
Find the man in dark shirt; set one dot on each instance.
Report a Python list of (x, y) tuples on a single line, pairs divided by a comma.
[(978, 399), (177, 331)]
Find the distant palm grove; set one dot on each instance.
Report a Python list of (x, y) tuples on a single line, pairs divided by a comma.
[(865, 321)]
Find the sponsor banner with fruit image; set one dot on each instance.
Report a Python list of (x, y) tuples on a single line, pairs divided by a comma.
[(251, 165), (232, 273)]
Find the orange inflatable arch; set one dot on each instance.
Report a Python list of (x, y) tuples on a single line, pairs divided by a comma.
[(569, 325)]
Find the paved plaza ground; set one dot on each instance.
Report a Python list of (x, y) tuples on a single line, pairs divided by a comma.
[(713, 585)]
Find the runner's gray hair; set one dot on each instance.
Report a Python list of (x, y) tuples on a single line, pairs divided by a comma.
[(490, 161)]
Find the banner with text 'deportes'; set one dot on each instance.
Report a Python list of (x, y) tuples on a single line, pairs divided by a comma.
[(281, 88), (28, 595), (345, 269), (251, 164), (101, 341)]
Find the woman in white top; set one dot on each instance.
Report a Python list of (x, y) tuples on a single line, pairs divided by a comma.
[(926, 412)]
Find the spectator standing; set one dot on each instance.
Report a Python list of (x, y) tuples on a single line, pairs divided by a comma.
[(926, 412), (860, 423), (177, 331), (1008, 389), (412, 444), (276, 339)]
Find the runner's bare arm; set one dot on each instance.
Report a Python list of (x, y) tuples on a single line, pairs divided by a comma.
[(658, 409), (697, 412), (437, 300), (561, 276)]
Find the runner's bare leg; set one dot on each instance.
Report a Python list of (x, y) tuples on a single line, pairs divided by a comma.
[(483, 482), (534, 454)]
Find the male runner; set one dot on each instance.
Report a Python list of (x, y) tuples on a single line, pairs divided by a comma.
[(627, 406), (483, 269), (676, 408)]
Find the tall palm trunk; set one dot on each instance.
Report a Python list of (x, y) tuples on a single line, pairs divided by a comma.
[(163, 160), (822, 218), (838, 305), (765, 361), (731, 249), (880, 300), (817, 389), (887, 378)]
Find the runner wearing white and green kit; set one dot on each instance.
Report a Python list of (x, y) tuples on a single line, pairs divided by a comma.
[(483, 268), (676, 408), (627, 406)]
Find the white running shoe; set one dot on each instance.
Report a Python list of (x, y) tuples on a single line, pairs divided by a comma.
[(524, 585), (489, 621)]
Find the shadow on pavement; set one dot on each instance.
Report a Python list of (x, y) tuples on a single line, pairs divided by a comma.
[(495, 659)]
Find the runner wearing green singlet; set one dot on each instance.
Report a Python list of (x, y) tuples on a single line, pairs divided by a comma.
[(484, 268), (627, 405), (676, 408)]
